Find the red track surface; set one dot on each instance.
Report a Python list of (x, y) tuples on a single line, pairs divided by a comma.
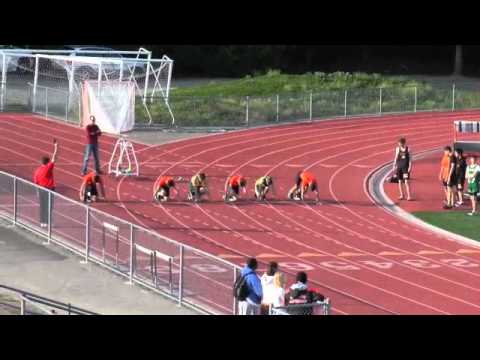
[(365, 259)]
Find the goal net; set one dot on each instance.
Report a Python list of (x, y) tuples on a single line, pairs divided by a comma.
[(51, 82)]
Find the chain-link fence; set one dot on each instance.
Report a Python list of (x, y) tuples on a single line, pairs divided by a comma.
[(238, 112)]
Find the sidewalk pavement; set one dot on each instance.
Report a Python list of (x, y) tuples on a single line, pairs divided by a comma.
[(52, 272)]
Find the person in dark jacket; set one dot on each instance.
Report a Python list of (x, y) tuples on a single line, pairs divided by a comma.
[(300, 294), (251, 306)]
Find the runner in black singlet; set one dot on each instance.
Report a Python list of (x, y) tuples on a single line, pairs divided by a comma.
[(402, 166)]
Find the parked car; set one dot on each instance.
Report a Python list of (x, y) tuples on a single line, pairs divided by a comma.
[(89, 71), (19, 64)]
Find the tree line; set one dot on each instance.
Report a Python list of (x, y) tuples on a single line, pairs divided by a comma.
[(241, 60)]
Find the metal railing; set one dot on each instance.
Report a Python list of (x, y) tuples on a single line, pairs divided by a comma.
[(32, 304), (182, 273)]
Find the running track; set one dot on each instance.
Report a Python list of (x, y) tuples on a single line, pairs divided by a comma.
[(364, 258)]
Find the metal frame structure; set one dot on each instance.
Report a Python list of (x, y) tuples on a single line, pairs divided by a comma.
[(68, 60), (126, 150)]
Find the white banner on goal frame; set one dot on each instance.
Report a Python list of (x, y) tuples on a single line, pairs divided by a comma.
[(113, 107)]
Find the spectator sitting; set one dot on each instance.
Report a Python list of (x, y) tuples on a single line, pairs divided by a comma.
[(268, 286), (251, 306), (300, 294)]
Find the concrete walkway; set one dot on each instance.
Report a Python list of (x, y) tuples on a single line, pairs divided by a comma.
[(50, 271)]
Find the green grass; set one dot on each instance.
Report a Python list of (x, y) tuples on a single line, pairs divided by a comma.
[(454, 221), (224, 104), (274, 82)]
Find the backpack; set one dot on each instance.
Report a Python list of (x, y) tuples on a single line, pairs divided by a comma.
[(240, 288)]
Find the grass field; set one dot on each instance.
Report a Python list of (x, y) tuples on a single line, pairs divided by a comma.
[(455, 221)]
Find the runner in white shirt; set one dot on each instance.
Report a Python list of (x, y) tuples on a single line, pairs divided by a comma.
[(472, 176)]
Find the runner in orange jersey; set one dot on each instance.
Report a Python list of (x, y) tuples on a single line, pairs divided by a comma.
[(304, 181), (233, 186), (162, 188)]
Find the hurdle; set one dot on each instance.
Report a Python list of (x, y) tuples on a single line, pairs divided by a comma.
[(125, 150), (153, 256), (106, 226), (471, 141)]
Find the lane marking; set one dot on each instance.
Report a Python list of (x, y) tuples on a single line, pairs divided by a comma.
[(430, 252), (349, 254)]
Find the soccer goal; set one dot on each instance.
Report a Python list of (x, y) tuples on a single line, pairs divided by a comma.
[(29, 76)]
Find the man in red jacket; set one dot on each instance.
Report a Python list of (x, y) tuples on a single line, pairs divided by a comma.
[(44, 177), (93, 132)]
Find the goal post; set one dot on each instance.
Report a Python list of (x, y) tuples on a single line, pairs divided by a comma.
[(65, 70)]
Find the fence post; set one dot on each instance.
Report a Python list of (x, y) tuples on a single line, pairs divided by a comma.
[(380, 102), (453, 97), (415, 100), (246, 110), (180, 278), (35, 83), (22, 305), (49, 216), (3, 82), (132, 244), (46, 103), (233, 297), (87, 234), (311, 105), (67, 98), (345, 103), (278, 107), (15, 201)]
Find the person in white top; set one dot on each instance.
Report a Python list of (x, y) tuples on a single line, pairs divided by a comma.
[(268, 286), (279, 290)]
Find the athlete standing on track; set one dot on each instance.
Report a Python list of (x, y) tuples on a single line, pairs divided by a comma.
[(262, 186), (304, 181), (460, 169), (197, 187), (472, 175), (451, 182), (162, 188), (93, 132), (232, 187), (444, 175), (402, 166)]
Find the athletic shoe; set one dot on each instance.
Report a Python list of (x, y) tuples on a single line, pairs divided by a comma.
[(43, 225), (446, 207), (471, 214)]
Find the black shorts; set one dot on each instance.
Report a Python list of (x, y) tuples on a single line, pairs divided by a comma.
[(166, 190), (235, 189), (90, 190), (402, 174), (314, 186), (460, 183), (452, 182)]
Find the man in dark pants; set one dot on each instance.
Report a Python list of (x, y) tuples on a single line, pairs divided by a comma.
[(44, 177), (93, 132)]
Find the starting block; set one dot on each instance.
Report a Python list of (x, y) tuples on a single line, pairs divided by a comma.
[(123, 154)]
